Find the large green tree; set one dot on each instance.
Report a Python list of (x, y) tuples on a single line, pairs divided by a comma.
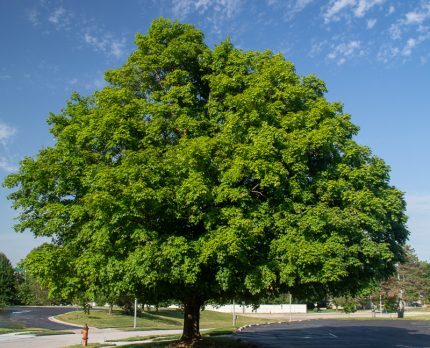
[(200, 174)]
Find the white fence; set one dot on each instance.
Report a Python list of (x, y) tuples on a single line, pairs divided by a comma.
[(264, 308)]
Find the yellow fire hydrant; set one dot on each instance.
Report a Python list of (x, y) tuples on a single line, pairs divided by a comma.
[(85, 335)]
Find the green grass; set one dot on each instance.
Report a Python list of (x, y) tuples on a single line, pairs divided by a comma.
[(418, 317), (34, 331), (149, 337), (418, 309), (205, 342), (46, 332), (91, 345), (164, 319), (6, 330)]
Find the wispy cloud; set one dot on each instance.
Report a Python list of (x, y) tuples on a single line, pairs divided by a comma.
[(46, 15), (418, 16), (371, 23), (346, 50), (387, 53), (227, 8), (215, 14), (58, 17), (413, 42), (410, 44), (106, 44), (5, 133), (411, 20), (358, 8), (33, 17), (290, 8), (407, 33)]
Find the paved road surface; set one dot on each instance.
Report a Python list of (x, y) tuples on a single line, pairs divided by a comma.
[(340, 333), (33, 317)]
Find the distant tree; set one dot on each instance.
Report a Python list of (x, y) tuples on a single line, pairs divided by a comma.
[(412, 279), (29, 291), (201, 174), (348, 304), (7, 282)]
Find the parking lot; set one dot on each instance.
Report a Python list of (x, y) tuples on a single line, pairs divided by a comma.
[(340, 333)]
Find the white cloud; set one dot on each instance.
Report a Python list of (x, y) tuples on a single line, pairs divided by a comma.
[(411, 19), (300, 5), (33, 17), (359, 8), (371, 23), (364, 6), (106, 44), (387, 53), (56, 16), (346, 50), (418, 16), (395, 31), (60, 18), (289, 8), (410, 44), (391, 10), (6, 132), (228, 8), (335, 7)]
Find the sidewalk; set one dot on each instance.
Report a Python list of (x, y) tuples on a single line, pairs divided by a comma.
[(59, 341)]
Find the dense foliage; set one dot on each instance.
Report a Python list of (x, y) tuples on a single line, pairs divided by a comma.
[(7, 282), (202, 174)]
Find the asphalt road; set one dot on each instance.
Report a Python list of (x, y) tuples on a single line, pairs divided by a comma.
[(34, 317), (340, 333)]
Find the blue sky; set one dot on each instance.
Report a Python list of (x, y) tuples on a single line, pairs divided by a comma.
[(374, 56)]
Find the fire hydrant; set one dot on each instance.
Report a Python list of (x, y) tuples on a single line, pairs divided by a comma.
[(85, 335)]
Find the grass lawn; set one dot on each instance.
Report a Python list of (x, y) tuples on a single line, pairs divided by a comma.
[(4, 330), (217, 323), (205, 342), (34, 331), (164, 319)]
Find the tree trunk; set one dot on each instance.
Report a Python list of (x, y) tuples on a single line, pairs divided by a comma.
[(191, 329)]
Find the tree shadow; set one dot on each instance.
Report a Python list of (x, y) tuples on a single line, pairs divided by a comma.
[(165, 317)]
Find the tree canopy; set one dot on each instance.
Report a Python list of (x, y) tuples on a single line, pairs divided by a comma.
[(200, 174)]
